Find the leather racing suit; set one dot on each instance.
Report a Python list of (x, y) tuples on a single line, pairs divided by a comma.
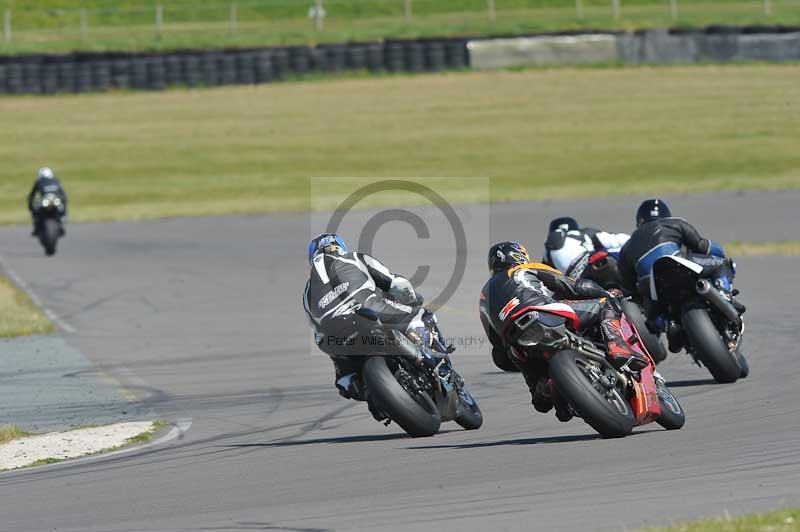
[(41, 187), (569, 251)]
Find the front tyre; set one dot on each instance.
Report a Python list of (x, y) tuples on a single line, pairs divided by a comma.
[(470, 416), (578, 381), (744, 367), (672, 416), (708, 345), (418, 416)]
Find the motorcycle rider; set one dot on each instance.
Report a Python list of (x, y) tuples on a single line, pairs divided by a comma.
[(515, 283), (46, 183), (659, 234), (341, 283), (568, 247)]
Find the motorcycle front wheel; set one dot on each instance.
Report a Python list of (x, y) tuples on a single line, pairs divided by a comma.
[(470, 416), (577, 379), (48, 236), (416, 414)]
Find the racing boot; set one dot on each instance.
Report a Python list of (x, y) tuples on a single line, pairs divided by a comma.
[(563, 411), (540, 398), (619, 353), (423, 340), (439, 342)]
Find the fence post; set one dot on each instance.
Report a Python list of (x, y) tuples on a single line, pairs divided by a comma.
[(234, 17), (673, 9), (615, 8), (7, 26), (84, 25), (767, 8), (159, 20), (407, 10), (490, 9), (579, 9), (318, 15)]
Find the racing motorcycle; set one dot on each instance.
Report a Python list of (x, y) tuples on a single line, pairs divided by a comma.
[(403, 388), (697, 298), (612, 401), (48, 222)]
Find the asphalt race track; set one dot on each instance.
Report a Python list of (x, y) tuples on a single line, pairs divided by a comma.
[(202, 319)]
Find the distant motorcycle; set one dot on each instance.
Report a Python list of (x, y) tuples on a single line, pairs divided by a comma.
[(612, 401), (701, 301), (405, 390), (48, 222)]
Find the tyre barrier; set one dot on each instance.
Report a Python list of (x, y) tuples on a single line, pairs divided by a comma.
[(85, 72)]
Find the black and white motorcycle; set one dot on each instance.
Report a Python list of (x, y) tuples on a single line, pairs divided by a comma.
[(48, 216)]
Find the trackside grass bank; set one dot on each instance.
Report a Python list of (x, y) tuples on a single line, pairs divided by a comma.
[(535, 134), (779, 521), (19, 316)]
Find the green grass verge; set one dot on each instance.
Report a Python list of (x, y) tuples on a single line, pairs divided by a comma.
[(784, 248), (11, 432), (145, 436), (778, 521), (54, 25), (18, 315), (537, 134)]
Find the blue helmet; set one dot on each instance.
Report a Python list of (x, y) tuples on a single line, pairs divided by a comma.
[(326, 243)]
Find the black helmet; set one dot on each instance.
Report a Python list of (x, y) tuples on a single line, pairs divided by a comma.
[(650, 210), (565, 223), (504, 255)]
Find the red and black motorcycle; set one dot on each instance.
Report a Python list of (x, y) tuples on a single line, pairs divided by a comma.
[(613, 401)]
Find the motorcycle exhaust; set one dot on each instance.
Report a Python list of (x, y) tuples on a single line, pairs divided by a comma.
[(407, 348), (712, 295)]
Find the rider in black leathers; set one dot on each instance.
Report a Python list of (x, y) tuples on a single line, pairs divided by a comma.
[(515, 283), (340, 283), (658, 234), (46, 183)]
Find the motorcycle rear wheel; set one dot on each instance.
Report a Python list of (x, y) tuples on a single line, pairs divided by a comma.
[(48, 236), (417, 417), (708, 345), (610, 415)]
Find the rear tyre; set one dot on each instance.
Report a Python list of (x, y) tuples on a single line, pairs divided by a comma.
[(708, 345), (501, 360), (417, 416), (744, 367), (652, 342), (672, 416), (607, 412), (48, 236), (470, 416)]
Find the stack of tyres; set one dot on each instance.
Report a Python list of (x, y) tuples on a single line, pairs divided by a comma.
[(139, 73), (264, 67), (357, 57), (66, 76), (394, 57), (280, 63), (456, 52), (83, 77), (208, 64), (245, 68), (49, 78), (375, 59), (335, 57), (156, 73), (415, 56), (435, 58), (101, 75), (301, 60), (121, 73), (14, 83), (192, 70), (173, 71), (3, 78), (31, 77), (226, 67)]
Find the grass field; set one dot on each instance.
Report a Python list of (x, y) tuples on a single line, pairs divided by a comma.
[(779, 521), (536, 134), (18, 315), (55, 25)]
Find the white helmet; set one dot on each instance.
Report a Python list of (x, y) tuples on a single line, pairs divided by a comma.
[(45, 173)]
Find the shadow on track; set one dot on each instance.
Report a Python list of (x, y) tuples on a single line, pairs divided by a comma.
[(525, 441), (338, 439), (690, 383)]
